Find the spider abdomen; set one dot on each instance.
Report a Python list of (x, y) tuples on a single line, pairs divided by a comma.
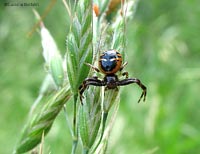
[(110, 62)]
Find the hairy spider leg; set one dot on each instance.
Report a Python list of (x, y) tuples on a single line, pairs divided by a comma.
[(124, 73), (137, 81), (122, 67), (93, 67), (89, 81)]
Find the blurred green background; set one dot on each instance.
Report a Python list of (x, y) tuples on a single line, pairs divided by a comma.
[(163, 51)]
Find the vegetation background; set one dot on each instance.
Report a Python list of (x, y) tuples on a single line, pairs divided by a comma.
[(163, 51)]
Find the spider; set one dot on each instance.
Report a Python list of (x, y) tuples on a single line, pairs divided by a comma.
[(110, 62)]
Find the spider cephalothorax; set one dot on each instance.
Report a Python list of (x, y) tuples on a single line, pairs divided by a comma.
[(110, 62)]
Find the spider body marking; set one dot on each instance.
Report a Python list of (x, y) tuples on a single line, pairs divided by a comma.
[(110, 62)]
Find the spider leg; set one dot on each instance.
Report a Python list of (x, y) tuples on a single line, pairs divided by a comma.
[(93, 67), (122, 67), (138, 82), (124, 73), (89, 81)]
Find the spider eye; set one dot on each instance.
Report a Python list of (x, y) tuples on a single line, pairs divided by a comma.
[(112, 59), (103, 59)]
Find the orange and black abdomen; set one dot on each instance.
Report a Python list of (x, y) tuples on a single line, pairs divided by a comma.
[(110, 62)]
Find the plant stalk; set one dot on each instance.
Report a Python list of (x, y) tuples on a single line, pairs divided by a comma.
[(104, 118), (75, 132)]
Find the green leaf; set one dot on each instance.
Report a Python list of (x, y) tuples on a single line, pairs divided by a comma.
[(42, 121), (57, 70), (87, 22), (83, 125), (90, 114), (76, 31), (79, 45)]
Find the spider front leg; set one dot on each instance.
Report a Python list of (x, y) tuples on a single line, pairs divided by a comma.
[(93, 67), (138, 82), (89, 81), (124, 73), (122, 67)]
